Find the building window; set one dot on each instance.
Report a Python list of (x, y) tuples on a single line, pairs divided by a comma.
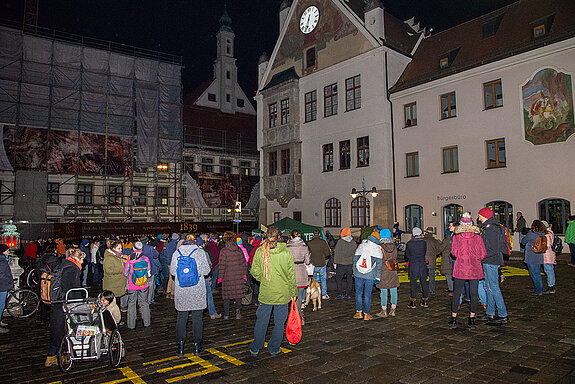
[(410, 114), (360, 212), (245, 168), (310, 57), (352, 93), (413, 217), (163, 196), (490, 27), (225, 166), (240, 103), (450, 160), (139, 196), (273, 163), (363, 151), (444, 62), (277, 216), (332, 209), (85, 194), (344, 154), (496, 153), (207, 164), (327, 150), (330, 100), (539, 31), (503, 212), (556, 212), (228, 98), (493, 94), (116, 194), (53, 193), (228, 74), (211, 97), (412, 164), (297, 216), (310, 106), (285, 161), (448, 105), (273, 114), (285, 111)]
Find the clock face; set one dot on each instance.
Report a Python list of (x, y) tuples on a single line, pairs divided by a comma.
[(309, 19)]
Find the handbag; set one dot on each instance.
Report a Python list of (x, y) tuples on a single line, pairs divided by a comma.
[(293, 326), (391, 264)]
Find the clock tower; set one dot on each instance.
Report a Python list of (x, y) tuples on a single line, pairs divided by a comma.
[(225, 70)]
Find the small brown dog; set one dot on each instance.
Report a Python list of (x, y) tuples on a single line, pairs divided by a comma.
[(313, 293)]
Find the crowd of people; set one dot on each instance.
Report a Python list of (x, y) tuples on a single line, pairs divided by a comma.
[(271, 269)]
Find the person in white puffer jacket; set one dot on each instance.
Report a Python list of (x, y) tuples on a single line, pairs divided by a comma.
[(367, 271)]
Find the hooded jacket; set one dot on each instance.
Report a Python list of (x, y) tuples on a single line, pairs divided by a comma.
[(344, 251), (469, 251), (319, 251), (570, 232), (369, 248), (114, 279), (530, 256), (282, 286), (550, 257), (492, 232), (301, 258), (415, 250), (389, 279)]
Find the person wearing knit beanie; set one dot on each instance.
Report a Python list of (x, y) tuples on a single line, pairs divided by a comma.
[(385, 236), (487, 213), (345, 232)]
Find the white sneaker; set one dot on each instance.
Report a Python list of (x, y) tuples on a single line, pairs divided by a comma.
[(4, 330)]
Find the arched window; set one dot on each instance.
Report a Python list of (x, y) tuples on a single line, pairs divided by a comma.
[(332, 212), (555, 212), (451, 212), (413, 217), (503, 212), (360, 212)]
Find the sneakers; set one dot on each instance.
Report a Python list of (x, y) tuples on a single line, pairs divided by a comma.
[(4, 330), (50, 361), (216, 316), (180, 349), (411, 304), (550, 289), (392, 310), (424, 303), (367, 317), (358, 315), (382, 313), (326, 297), (471, 323), (499, 321), (453, 322), (339, 297)]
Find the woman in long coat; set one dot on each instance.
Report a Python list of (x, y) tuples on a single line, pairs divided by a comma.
[(114, 279), (389, 280), (301, 258), (232, 273)]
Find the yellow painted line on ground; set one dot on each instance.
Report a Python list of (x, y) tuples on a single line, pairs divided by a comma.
[(239, 343), (130, 375), (225, 357), (161, 360), (208, 368), (56, 382), (284, 350)]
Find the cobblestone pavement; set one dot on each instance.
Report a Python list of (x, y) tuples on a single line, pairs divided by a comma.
[(538, 345)]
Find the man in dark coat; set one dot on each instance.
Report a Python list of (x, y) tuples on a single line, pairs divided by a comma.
[(320, 252), (415, 250)]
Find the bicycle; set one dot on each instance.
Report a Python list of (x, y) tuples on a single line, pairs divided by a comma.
[(21, 302)]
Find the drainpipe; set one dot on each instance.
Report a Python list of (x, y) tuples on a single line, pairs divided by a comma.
[(392, 141)]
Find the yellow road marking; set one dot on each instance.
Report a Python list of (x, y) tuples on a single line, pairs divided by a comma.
[(129, 376), (222, 355), (208, 368), (161, 360), (234, 344)]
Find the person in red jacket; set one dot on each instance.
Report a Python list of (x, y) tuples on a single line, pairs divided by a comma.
[(31, 252)]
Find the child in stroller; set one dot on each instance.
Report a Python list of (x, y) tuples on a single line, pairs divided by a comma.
[(91, 332)]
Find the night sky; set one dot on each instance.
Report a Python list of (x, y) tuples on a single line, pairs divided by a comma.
[(188, 27)]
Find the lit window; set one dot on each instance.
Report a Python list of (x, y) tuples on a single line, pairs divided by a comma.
[(448, 108), (245, 168), (412, 164), (344, 154), (450, 160), (116, 194), (539, 31), (363, 151), (310, 106), (353, 93), (330, 100), (496, 153), (285, 111), (444, 62), (410, 114), (493, 94), (327, 157), (360, 212), (272, 114), (332, 209), (162, 196)]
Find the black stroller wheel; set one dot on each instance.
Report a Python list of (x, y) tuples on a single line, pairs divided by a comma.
[(64, 355), (115, 349)]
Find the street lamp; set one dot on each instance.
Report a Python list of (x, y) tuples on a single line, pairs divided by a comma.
[(363, 193)]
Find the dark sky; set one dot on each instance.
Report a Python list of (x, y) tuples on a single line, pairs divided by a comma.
[(188, 27)]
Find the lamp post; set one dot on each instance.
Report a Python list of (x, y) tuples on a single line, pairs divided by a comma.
[(364, 192), (11, 238)]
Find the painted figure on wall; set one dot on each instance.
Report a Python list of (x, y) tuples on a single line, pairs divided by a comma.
[(548, 107)]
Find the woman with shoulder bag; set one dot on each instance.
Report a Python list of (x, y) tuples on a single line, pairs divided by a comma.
[(389, 280)]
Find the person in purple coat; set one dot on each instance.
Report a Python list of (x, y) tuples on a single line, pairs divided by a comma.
[(469, 251)]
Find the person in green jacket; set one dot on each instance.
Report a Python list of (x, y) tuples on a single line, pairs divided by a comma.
[(274, 268), (570, 238)]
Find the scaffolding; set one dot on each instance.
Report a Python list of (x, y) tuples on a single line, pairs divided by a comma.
[(92, 130)]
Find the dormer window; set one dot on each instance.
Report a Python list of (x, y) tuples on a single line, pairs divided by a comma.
[(491, 26), (539, 31), (444, 62), (541, 28)]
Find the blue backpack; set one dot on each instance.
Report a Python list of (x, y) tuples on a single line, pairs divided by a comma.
[(187, 271), (140, 273)]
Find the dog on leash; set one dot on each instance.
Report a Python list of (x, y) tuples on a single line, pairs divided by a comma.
[(313, 293)]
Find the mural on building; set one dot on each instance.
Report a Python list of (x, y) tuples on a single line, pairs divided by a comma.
[(63, 152), (222, 190), (548, 107)]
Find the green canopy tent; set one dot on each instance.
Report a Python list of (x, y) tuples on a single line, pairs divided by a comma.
[(286, 225)]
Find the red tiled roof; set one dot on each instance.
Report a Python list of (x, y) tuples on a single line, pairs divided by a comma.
[(213, 118), (191, 97), (514, 36), (399, 35)]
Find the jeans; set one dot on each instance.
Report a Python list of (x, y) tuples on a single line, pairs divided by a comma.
[(449, 279), (97, 275), (263, 315), (431, 273), (320, 274), (227, 306), (458, 285), (550, 272), (494, 296), (210, 299), (383, 296), (3, 295), (85, 274), (572, 250), (344, 270), (360, 286), (139, 297), (165, 275), (413, 287), (215, 277), (535, 272), (521, 247), (182, 325), (481, 292)]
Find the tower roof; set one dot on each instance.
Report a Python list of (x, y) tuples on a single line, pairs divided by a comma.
[(225, 21)]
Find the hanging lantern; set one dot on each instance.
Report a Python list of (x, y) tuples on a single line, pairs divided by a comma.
[(10, 236)]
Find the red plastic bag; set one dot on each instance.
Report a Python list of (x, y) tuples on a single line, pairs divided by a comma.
[(293, 327)]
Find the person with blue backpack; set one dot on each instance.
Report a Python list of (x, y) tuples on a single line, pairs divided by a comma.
[(137, 270), (189, 266)]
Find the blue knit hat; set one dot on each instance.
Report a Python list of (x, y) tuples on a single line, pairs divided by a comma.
[(385, 235)]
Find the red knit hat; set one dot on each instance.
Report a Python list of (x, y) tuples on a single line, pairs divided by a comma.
[(486, 212)]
